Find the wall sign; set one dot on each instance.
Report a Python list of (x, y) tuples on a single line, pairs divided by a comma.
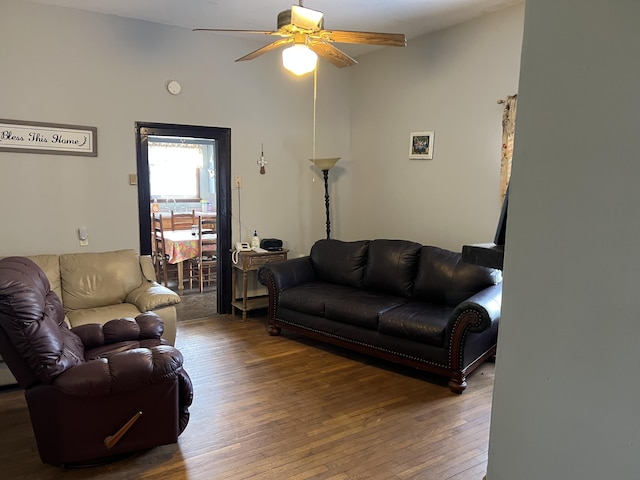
[(51, 138)]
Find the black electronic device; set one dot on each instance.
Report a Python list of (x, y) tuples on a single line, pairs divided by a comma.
[(271, 244)]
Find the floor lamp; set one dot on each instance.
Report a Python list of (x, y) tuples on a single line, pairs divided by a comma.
[(326, 164), (323, 164)]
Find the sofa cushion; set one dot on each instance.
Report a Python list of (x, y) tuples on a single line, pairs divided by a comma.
[(338, 262), (102, 314), (360, 307), (417, 321), (444, 278), (391, 266), (91, 280), (310, 297)]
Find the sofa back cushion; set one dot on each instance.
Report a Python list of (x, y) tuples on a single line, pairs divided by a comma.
[(444, 278), (342, 263), (91, 280), (391, 266)]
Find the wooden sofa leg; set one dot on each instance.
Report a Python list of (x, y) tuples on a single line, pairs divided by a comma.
[(457, 386), (273, 330)]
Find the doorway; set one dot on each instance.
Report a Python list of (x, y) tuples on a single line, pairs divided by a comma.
[(219, 139)]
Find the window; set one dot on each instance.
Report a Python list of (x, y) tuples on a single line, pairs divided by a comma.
[(176, 168)]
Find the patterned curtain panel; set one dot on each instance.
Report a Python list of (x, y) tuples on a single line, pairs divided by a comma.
[(508, 134)]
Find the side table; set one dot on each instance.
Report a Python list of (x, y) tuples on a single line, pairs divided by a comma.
[(251, 261)]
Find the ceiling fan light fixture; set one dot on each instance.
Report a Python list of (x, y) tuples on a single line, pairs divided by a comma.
[(299, 59)]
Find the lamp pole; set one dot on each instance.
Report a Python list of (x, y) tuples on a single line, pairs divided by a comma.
[(325, 173), (324, 165)]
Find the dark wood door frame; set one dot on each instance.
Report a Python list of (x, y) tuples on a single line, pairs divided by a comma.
[(223, 193)]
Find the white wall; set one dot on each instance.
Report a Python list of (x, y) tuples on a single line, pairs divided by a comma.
[(67, 66), (448, 82), (566, 390)]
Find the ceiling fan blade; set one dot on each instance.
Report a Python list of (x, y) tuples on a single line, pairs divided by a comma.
[(265, 49), (332, 54), (236, 31), (368, 38), (306, 19)]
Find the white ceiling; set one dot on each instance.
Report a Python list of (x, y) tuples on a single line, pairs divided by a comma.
[(411, 17)]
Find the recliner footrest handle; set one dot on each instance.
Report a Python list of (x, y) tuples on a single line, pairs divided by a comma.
[(112, 440)]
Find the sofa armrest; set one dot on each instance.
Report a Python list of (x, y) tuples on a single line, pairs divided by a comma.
[(152, 295), (122, 372), (287, 274), (479, 312), (146, 326)]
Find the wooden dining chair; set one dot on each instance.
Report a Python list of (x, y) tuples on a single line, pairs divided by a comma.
[(182, 221), (204, 266), (159, 252)]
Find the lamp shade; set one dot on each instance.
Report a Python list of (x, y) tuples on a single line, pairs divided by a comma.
[(299, 59), (325, 163)]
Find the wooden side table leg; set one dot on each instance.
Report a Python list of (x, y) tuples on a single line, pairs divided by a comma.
[(245, 286), (234, 296)]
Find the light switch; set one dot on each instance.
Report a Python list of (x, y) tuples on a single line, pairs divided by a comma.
[(82, 235)]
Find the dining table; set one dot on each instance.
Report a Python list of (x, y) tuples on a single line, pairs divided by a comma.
[(181, 245)]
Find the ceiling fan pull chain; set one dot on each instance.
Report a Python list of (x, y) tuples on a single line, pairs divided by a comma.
[(315, 95)]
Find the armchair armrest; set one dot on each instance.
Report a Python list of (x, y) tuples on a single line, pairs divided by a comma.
[(151, 295), (287, 274), (122, 372), (146, 326)]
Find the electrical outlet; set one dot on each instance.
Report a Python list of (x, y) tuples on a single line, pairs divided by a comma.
[(237, 181)]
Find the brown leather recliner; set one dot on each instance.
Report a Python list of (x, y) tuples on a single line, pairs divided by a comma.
[(94, 392)]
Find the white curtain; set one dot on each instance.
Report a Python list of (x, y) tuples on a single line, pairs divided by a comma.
[(508, 134)]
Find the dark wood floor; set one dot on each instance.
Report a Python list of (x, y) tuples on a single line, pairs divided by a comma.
[(287, 408)]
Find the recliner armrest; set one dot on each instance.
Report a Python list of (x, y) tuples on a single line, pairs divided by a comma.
[(152, 295), (122, 372), (287, 274)]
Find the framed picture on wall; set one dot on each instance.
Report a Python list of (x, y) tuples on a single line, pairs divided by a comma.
[(421, 145), (51, 138)]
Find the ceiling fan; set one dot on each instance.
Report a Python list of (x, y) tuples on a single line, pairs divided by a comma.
[(303, 29)]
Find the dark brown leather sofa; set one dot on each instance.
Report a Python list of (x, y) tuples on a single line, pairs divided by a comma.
[(416, 305), (94, 392)]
